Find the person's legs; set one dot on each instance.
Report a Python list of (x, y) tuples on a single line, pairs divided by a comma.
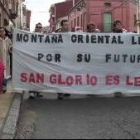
[(118, 95), (39, 95), (60, 96), (32, 95), (4, 89), (66, 95)]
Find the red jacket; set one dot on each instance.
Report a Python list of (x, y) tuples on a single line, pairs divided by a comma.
[(1, 75)]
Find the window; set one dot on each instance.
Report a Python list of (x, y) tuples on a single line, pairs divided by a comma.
[(107, 4), (81, 20), (71, 24), (135, 19), (78, 20), (74, 22), (107, 22)]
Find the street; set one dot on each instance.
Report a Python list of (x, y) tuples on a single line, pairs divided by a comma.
[(70, 47), (80, 117)]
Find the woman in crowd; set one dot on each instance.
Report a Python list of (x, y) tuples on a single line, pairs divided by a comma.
[(91, 28), (118, 27), (5, 50)]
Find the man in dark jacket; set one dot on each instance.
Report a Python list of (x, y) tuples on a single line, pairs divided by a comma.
[(34, 94), (64, 29)]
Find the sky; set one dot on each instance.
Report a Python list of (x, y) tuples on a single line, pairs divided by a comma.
[(40, 11)]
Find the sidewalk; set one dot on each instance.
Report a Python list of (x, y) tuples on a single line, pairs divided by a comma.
[(5, 104), (10, 104)]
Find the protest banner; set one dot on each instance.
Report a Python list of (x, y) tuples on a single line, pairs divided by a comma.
[(76, 63)]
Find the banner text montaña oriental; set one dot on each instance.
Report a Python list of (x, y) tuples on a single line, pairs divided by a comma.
[(75, 38)]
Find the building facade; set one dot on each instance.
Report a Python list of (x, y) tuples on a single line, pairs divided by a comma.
[(28, 19), (13, 13), (21, 20), (102, 13), (8, 12), (138, 17), (59, 12)]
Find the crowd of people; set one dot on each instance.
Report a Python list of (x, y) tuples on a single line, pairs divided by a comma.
[(6, 51)]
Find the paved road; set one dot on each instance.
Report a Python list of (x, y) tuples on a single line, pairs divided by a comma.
[(80, 118)]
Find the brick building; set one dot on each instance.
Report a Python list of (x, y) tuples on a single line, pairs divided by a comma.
[(59, 12), (25, 18), (103, 13), (138, 17), (28, 19)]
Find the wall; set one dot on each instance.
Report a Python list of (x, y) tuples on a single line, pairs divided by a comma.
[(96, 8), (28, 19), (124, 12), (77, 17)]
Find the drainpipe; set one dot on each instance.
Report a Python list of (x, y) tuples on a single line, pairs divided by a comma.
[(138, 15), (73, 3), (21, 15), (128, 14)]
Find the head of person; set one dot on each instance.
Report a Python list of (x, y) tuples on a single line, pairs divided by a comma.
[(78, 29), (38, 28), (117, 26), (73, 30), (135, 32), (65, 25), (2, 32), (91, 28)]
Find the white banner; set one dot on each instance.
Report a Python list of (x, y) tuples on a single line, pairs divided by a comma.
[(76, 63)]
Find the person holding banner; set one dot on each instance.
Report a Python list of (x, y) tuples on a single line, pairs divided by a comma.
[(38, 28), (5, 50), (118, 27), (33, 94), (64, 29), (91, 28)]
